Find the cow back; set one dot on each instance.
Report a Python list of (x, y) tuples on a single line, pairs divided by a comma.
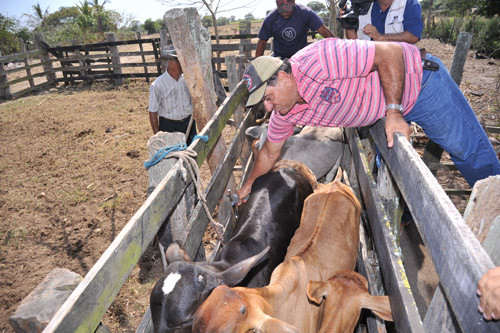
[(270, 217)]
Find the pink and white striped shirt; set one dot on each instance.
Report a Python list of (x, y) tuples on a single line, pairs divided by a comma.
[(333, 77)]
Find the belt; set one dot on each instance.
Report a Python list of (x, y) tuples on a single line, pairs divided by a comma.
[(177, 121)]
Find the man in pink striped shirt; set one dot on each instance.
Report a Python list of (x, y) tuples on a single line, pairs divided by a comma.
[(352, 83)]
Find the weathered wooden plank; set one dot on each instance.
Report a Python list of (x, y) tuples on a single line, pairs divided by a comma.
[(22, 68), (26, 61), (4, 91), (115, 59), (479, 215), (220, 118), (100, 46), (22, 79), (456, 253), (45, 58), (85, 307), (404, 309), (368, 266), (214, 191), (20, 56), (216, 188)]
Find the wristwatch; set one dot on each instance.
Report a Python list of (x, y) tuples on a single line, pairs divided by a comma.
[(398, 107)]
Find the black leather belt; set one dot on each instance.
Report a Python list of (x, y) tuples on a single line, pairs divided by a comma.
[(429, 65), (176, 121)]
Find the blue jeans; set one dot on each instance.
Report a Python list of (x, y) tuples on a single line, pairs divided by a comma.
[(447, 118)]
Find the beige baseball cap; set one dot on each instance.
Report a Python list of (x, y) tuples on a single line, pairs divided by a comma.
[(256, 76)]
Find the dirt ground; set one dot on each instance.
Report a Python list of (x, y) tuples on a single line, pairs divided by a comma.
[(72, 175)]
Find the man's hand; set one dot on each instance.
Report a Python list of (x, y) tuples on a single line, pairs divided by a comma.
[(243, 193), (395, 123), (371, 30), (489, 290)]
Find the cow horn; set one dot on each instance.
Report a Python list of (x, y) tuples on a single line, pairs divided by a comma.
[(236, 273)]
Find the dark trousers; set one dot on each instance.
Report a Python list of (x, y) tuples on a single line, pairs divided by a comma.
[(167, 125)]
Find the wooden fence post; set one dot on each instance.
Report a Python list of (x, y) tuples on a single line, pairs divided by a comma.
[(433, 152), (194, 50), (164, 40), (115, 59), (26, 61), (233, 78), (81, 63), (143, 57), (45, 58), (482, 215), (245, 29), (176, 228), (4, 92)]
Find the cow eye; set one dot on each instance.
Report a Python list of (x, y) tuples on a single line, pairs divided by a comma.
[(243, 309)]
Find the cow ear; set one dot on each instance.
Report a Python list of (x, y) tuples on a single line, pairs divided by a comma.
[(379, 305), (317, 290), (175, 252), (274, 325), (253, 131), (234, 274), (256, 131)]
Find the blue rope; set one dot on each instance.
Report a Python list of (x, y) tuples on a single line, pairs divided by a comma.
[(160, 154)]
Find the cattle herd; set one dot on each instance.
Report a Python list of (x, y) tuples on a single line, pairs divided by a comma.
[(289, 266)]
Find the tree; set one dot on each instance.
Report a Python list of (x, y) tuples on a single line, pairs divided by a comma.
[(151, 26), (222, 21), (489, 8), (100, 14), (249, 17), (213, 6), (63, 16), (206, 21), (317, 7), (38, 16), (8, 39)]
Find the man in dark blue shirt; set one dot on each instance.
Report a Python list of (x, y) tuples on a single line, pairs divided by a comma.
[(392, 21), (288, 24)]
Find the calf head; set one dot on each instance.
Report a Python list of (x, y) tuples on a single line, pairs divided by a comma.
[(345, 294), (237, 310), (185, 285)]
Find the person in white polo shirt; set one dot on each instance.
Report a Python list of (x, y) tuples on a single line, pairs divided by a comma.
[(170, 108)]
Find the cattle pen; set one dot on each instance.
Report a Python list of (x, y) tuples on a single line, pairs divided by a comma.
[(402, 176)]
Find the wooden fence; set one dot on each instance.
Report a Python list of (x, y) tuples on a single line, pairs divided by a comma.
[(25, 72), (457, 255)]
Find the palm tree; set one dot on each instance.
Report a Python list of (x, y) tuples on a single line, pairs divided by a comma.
[(99, 10), (39, 14)]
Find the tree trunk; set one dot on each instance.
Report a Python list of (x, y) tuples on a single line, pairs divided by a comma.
[(429, 12), (194, 50)]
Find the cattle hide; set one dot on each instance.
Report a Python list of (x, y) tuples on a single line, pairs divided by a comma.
[(326, 241), (269, 218)]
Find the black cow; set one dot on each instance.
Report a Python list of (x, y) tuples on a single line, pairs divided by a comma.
[(267, 222)]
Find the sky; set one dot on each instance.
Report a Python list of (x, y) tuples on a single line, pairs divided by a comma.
[(141, 10)]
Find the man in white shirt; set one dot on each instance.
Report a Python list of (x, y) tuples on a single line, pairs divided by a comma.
[(170, 108)]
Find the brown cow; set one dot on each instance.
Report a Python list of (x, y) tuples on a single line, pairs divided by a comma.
[(346, 293), (326, 241)]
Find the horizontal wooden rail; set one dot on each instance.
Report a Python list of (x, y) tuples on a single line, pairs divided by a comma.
[(90, 300), (20, 56), (458, 257)]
